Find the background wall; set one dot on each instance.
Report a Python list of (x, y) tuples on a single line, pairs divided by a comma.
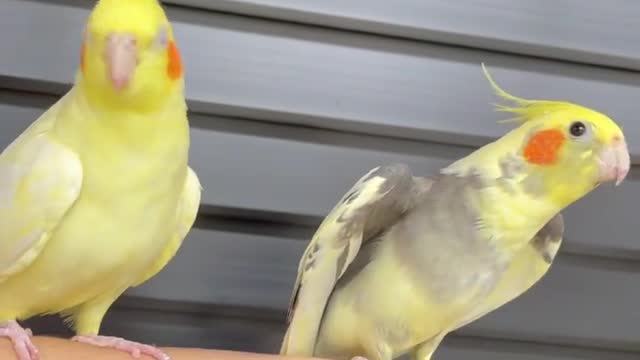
[(293, 100)]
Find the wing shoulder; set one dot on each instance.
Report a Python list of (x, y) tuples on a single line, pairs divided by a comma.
[(40, 179)]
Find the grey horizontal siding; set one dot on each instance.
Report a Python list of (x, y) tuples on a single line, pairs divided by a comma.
[(596, 32), (286, 116), (226, 268), (328, 79), (297, 172)]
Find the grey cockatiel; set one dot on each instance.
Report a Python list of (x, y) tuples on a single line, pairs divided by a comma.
[(402, 260)]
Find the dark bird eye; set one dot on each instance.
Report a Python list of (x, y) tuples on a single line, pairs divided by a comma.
[(577, 129)]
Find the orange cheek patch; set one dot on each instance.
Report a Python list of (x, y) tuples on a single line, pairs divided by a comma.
[(175, 62), (542, 148)]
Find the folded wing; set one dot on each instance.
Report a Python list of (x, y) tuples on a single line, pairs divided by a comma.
[(372, 205), (40, 179)]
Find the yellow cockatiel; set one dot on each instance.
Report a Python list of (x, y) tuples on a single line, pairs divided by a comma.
[(96, 195), (402, 260)]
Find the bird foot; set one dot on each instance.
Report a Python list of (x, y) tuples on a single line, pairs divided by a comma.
[(132, 347), (21, 340), (359, 358)]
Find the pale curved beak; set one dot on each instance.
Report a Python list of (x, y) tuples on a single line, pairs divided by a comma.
[(121, 57), (614, 161)]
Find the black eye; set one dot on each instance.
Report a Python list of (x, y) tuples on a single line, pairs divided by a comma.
[(578, 129)]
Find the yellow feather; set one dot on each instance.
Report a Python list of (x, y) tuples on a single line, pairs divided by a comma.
[(99, 195)]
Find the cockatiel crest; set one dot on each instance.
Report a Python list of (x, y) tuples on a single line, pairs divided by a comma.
[(564, 150)]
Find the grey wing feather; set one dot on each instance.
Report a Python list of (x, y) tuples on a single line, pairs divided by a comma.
[(372, 205)]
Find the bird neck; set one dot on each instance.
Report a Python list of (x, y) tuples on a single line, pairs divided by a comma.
[(513, 202), (80, 120)]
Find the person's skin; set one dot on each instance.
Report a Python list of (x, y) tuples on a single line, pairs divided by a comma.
[(61, 349)]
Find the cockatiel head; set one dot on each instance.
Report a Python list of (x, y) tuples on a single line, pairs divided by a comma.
[(129, 55), (560, 150)]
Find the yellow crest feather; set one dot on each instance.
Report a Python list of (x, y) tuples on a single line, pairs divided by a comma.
[(524, 109)]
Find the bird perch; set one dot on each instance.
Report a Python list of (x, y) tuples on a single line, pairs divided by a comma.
[(61, 349)]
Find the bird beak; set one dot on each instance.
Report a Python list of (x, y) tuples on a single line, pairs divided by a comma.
[(121, 57), (614, 161)]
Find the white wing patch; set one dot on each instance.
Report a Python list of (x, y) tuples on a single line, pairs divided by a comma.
[(368, 194), (40, 179)]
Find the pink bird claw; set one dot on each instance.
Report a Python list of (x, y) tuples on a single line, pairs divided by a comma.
[(21, 340), (359, 358), (134, 348)]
